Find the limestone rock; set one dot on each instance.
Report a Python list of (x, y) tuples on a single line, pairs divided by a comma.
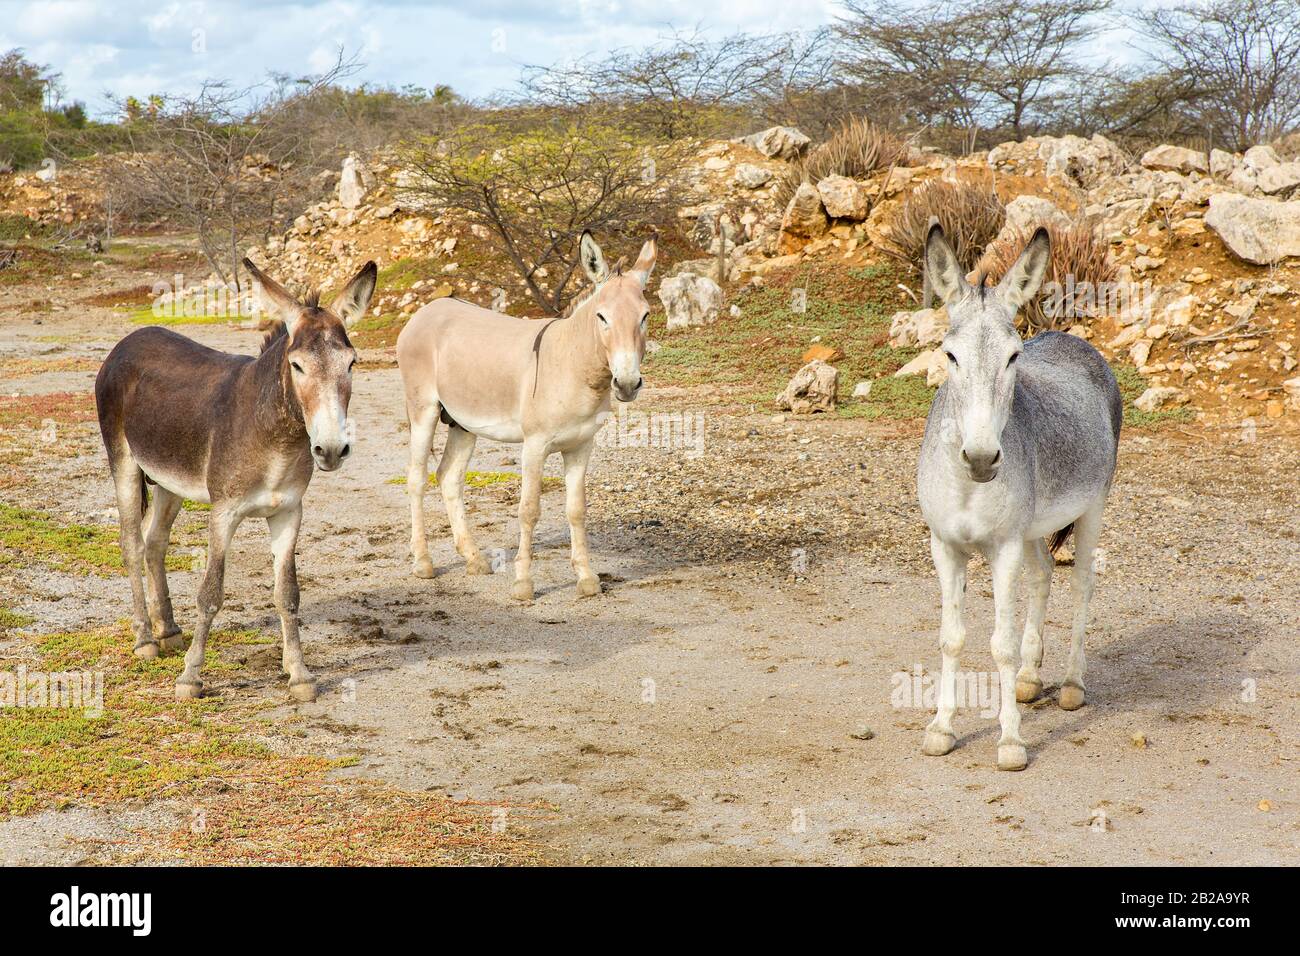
[(1262, 231), (352, 187), (752, 177), (778, 142), (804, 217), (922, 327), (690, 300), (1160, 396), (812, 389), (844, 198), (1178, 159)]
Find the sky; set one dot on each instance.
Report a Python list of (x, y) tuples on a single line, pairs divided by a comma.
[(138, 47)]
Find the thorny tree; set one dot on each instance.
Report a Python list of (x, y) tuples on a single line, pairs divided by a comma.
[(536, 192)]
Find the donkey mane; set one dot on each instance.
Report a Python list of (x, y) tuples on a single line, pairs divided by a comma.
[(277, 330)]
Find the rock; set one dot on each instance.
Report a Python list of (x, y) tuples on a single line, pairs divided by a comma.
[(1222, 163), (1177, 159), (1160, 396), (844, 198), (778, 142), (1083, 162), (1292, 389), (933, 365), (690, 300), (863, 390), (1026, 213), (1119, 219), (352, 187), (1259, 158), (1262, 231), (752, 177), (812, 389), (922, 327), (1139, 352), (804, 218), (716, 163), (823, 353), (1277, 179)]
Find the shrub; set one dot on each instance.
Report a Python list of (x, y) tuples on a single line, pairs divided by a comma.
[(1079, 269), (971, 214), (857, 149)]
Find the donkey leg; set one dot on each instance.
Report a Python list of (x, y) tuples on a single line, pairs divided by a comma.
[(128, 482), (532, 458), (157, 531), (284, 539), (950, 563), (1087, 531), (451, 479), (1007, 563), (1038, 573), (221, 528), (575, 487), (423, 423)]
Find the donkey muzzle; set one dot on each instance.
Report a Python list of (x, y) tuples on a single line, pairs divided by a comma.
[(329, 455), (982, 464)]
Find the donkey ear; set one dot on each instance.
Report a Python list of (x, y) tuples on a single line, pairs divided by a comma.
[(355, 297), (274, 298), (1022, 281), (593, 260), (645, 262), (941, 267)]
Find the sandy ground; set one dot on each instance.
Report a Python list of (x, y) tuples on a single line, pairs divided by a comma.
[(761, 600)]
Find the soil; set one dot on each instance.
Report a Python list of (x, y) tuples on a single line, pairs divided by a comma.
[(742, 690)]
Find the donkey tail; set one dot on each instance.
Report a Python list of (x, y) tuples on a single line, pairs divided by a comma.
[(1058, 538)]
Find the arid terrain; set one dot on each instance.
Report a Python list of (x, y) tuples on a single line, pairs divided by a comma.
[(743, 690)]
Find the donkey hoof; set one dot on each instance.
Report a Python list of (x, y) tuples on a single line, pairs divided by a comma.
[(937, 743), (522, 590), (588, 587), (187, 691), (1028, 690), (1071, 697), (423, 568), (478, 565), (1012, 757), (146, 651), (304, 692), (172, 642)]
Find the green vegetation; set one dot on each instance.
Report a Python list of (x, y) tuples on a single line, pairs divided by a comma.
[(486, 479), (1132, 385), (754, 354), (68, 546)]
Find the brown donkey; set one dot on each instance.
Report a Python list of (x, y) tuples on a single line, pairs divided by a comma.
[(237, 432)]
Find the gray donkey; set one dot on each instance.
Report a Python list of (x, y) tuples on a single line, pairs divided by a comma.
[(1020, 445)]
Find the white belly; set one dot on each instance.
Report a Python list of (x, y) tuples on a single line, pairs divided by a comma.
[(180, 485)]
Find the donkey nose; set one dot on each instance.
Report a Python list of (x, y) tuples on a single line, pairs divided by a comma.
[(329, 455), (982, 462)]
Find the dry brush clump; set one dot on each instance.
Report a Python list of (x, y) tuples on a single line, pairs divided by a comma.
[(857, 149), (1079, 282), (971, 213)]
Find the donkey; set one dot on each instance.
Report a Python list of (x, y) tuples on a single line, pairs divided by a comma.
[(1020, 445), (545, 385), (239, 433)]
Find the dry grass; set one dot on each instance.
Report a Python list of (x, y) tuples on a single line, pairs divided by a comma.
[(1080, 265), (971, 213), (857, 149)]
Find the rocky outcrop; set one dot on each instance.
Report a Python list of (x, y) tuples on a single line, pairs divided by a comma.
[(1262, 231), (690, 300), (352, 186), (812, 389), (844, 198), (778, 142), (1177, 159), (804, 218)]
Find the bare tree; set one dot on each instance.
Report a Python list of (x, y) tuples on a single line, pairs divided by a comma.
[(676, 87), (224, 162), (1243, 58), (536, 191)]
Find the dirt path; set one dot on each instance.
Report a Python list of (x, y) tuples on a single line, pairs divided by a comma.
[(760, 599)]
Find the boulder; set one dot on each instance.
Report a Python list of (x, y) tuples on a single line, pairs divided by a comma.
[(1291, 387), (1083, 162), (932, 364), (752, 177), (1281, 178), (844, 198), (923, 327), (1259, 158), (811, 389), (804, 218), (1176, 159), (1262, 231), (778, 142), (1222, 163), (1119, 219), (690, 300), (1160, 396), (352, 188)]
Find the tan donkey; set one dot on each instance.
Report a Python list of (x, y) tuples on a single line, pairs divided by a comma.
[(545, 385)]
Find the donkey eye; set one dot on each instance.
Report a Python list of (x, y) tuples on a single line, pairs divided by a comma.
[(352, 365), (295, 366), (951, 358), (1012, 361), (603, 320)]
